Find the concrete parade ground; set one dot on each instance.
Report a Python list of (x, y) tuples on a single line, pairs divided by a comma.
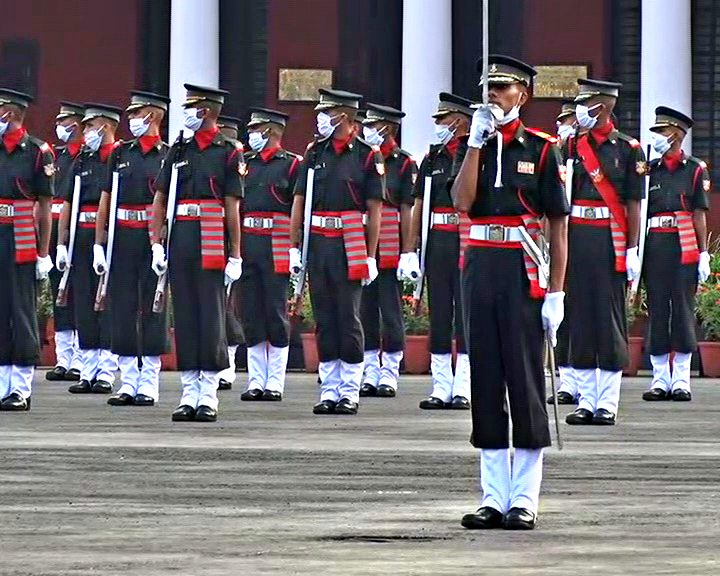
[(86, 489)]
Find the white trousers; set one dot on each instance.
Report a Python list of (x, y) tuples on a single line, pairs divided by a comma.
[(350, 381), (329, 373), (199, 388), (257, 366), (442, 376), (507, 484), (390, 371), (229, 373), (277, 359), (568, 380), (372, 368)]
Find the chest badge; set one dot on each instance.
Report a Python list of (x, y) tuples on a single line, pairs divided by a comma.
[(597, 175), (49, 169), (526, 167)]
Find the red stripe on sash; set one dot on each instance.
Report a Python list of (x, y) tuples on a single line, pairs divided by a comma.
[(389, 245)]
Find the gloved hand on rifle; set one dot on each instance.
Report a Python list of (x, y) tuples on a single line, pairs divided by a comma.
[(553, 313), (159, 262), (483, 127), (61, 257), (233, 270), (43, 266), (99, 262), (372, 272), (295, 261), (408, 267)]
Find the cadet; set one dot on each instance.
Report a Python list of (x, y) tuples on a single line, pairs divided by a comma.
[(566, 122), (263, 289), (443, 257), (510, 178), (607, 187), (383, 298), (68, 127), (131, 281), (210, 170), (27, 175), (348, 180), (675, 254), (230, 128), (99, 364)]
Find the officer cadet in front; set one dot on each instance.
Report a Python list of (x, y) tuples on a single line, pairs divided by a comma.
[(131, 282), (383, 298), (230, 127), (27, 176), (567, 392), (510, 179), (210, 169), (604, 230), (446, 234), (348, 180), (676, 256), (262, 295), (68, 128), (99, 364)]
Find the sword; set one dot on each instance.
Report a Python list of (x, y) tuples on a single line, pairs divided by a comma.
[(551, 365), (485, 51), (75, 209), (307, 222), (643, 227), (424, 233), (103, 284)]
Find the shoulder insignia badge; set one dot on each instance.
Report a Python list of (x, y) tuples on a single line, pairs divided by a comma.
[(641, 168), (706, 185), (49, 169)]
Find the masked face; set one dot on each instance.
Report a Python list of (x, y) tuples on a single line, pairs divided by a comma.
[(373, 136), (326, 124), (4, 123), (584, 117), (564, 131), (64, 133), (139, 126), (661, 144), (192, 120), (93, 138), (257, 140)]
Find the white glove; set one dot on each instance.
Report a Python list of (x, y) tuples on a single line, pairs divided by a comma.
[(295, 261), (372, 272), (159, 263), (482, 127), (61, 257), (632, 263), (233, 270), (409, 267), (704, 267), (43, 265), (553, 312), (99, 262)]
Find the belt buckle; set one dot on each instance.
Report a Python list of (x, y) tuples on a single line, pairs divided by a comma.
[(90, 217), (193, 210), (257, 222), (496, 232), (333, 223), (589, 213), (5, 210), (133, 215), (667, 222), (453, 219)]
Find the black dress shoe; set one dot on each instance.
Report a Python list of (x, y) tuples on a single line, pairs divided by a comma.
[(224, 385), (432, 403), (460, 403), (603, 418), (681, 395), (143, 400), (120, 399), (72, 375), (656, 395), (385, 391), (183, 413), (15, 403), (271, 396), (580, 417), (57, 373), (486, 518), (519, 519), (346, 406), (368, 390), (563, 398), (101, 387), (81, 387), (324, 407), (251, 395), (206, 414)]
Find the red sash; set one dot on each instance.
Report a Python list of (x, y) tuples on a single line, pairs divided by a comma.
[(463, 236), (618, 219), (389, 245), (690, 254), (281, 243), (355, 247), (212, 233), (23, 223)]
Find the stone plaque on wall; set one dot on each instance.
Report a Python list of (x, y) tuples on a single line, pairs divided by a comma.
[(558, 81), (302, 84)]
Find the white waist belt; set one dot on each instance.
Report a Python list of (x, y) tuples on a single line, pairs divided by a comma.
[(329, 222), (451, 218), (132, 215), (56, 208), (365, 218), (590, 212), (191, 210), (87, 217), (257, 222), (662, 222), (495, 233), (7, 210)]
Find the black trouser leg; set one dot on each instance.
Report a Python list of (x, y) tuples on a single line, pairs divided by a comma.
[(124, 294), (442, 275), (233, 321), (390, 303), (276, 309), (94, 328), (370, 315), (252, 305), (62, 315)]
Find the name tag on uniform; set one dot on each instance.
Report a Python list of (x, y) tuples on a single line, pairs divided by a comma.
[(526, 167), (123, 165), (655, 187), (438, 171)]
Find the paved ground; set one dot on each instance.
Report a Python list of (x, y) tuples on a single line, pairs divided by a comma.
[(271, 489)]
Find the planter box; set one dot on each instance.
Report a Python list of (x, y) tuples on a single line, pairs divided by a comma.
[(417, 354), (636, 345), (710, 358), (310, 352)]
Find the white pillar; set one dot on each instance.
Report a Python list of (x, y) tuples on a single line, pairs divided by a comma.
[(194, 52), (426, 68), (666, 62)]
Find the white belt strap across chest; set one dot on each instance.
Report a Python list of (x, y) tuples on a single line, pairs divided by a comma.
[(328, 222), (444, 218), (662, 222), (257, 222), (495, 233), (590, 212)]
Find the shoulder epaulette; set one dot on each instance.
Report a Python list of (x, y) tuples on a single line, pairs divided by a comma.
[(697, 161), (541, 134), (405, 153), (44, 146), (629, 139)]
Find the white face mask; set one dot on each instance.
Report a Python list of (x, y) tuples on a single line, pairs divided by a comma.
[(256, 141), (564, 131), (138, 126), (661, 144), (443, 133), (64, 133), (4, 124), (93, 139), (503, 118), (373, 136), (584, 119), (192, 122), (325, 125)]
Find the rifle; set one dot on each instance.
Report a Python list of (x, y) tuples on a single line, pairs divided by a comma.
[(551, 366), (159, 299), (424, 233), (62, 296), (307, 223), (105, 278), (643, 226)]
